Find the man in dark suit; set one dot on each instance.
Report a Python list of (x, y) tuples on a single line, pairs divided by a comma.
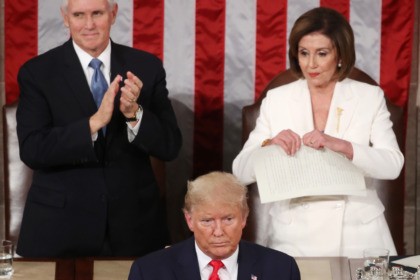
[(216, 211), (93, 190)]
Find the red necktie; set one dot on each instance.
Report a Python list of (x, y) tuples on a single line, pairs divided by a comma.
[(216, 264)]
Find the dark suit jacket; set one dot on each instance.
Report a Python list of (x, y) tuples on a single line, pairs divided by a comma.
[(180, 262), (80, 191)]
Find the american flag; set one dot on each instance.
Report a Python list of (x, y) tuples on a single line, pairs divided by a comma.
[(219, 55)]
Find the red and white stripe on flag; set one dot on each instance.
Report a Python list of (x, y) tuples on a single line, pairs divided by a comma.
[(219, 55)]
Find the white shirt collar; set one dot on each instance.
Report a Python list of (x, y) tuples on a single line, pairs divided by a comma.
[(231, 263), (85, 59)]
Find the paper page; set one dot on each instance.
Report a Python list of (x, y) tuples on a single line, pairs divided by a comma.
[(309, 172), (412, 261)]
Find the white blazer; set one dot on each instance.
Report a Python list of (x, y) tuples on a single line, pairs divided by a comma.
[(358, 114)]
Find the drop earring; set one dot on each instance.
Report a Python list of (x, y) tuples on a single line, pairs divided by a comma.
[(339, 64)]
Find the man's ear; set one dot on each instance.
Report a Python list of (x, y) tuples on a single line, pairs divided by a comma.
[(114, 12), (245, 219), (65, 18), (188, 219)]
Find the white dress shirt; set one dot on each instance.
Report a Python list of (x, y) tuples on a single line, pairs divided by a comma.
[(228, 272), (105, 57)]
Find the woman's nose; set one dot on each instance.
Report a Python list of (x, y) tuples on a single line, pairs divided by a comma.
[(312, 61)]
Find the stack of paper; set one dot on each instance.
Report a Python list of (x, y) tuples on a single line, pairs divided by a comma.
[(309, 172)]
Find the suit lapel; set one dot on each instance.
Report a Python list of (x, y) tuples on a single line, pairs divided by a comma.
[(117, 62), (117, 68), (247, 262), (76, 80), (343, 106), (187, 268), (301, 109)]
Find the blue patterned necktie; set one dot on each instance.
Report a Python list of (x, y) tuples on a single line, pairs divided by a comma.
[(98, 85)]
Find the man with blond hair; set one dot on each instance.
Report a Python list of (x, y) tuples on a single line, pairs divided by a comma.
[(215, 210)]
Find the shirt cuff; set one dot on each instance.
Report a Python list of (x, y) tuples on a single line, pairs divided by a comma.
[(132, 131)]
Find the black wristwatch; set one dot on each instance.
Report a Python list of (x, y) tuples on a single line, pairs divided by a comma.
[(136, 115)]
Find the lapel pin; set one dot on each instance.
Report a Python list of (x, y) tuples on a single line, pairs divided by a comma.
[(339, 113)]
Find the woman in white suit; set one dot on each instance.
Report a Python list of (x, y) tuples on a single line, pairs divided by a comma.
[(325, 109)]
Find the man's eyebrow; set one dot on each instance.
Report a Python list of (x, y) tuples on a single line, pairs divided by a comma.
[(92, 12)]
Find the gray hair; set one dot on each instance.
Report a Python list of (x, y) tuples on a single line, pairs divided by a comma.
[(65, 3), (219, 186)]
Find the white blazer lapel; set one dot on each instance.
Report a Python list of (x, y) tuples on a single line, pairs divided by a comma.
[(342, 109), (301, 109)]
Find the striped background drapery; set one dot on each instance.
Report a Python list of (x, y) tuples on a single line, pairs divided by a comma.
[(219, 54)]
